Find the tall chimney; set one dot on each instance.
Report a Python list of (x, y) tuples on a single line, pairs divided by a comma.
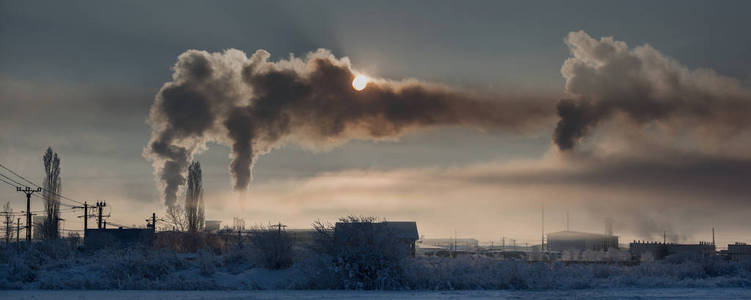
[(542, 245), (608, 226)]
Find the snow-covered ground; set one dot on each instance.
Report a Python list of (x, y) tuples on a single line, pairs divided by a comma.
[(683, 293)]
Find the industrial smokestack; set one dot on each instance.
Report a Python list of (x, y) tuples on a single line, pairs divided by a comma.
[(609, 226)]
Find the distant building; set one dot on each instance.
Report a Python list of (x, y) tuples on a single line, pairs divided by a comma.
[(212, 225), (654, 250), (119, 238), (238, 223), (405, 233), (302, 237), (574, 240), (451, 244), (739, 252)]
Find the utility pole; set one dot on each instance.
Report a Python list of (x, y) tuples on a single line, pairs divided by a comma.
[(151, 223), (85, 217), (28, 191), (279, 228), (100, 206), (18, 230), (8, 227), (713, 236)]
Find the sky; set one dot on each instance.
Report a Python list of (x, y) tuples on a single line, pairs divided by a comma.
[(658, 96)]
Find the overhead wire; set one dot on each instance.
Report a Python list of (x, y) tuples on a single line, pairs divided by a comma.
[(36, 185)]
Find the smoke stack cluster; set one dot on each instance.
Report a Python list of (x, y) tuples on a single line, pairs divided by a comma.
[(606, 79), (254, 105)]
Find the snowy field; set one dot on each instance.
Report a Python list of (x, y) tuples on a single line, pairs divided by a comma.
[(683, 293)]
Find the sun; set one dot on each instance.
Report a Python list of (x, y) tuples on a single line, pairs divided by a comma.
[(360, 82)]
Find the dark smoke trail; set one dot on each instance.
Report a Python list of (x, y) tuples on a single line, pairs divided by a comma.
[(254, 105), (609, 79)]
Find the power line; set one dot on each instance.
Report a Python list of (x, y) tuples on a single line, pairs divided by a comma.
[(19, 176), (11, 179), (36, 185)]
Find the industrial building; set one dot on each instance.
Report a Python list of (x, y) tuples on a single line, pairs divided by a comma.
[(356, 233), (574, 240), (212, 225), (739, 252), (451, 244), (655, 250), (119, 238)]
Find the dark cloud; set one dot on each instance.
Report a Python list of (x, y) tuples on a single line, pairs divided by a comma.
[(607, 79), (254, 105)]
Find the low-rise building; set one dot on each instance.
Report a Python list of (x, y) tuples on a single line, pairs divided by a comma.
[(212, 225), (358, 233), (739, 252), (451, 244), (654, 250), (118, 238), (574, 240)]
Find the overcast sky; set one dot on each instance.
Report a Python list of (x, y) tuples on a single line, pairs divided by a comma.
[(81, 76)]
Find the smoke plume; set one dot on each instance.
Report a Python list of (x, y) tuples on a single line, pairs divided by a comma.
[(607, 79), (254, 105)]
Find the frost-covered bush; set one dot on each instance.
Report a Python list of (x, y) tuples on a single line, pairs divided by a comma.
[(359, 254), (132, 267), (240, 258), (483, 273), (359, 261), (273, 246), (206, 262)]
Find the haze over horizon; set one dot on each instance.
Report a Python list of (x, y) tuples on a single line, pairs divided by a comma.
[(653, 131)]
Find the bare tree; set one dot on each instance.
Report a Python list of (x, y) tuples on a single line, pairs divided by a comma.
[(52, 188), (176, 217), (8, 214), (194, 208)]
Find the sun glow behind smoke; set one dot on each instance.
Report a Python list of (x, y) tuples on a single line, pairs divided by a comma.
[(360, 82)]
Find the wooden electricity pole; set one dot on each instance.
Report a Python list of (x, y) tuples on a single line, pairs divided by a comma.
[(85, 217), (100, 206), (28, 191), (18, 230)]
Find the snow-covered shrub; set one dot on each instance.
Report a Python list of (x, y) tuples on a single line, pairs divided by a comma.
[(186, 242), (19, 270), (206, 262), (133, 268), (273, 245), (240, 258), (360, 254)]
